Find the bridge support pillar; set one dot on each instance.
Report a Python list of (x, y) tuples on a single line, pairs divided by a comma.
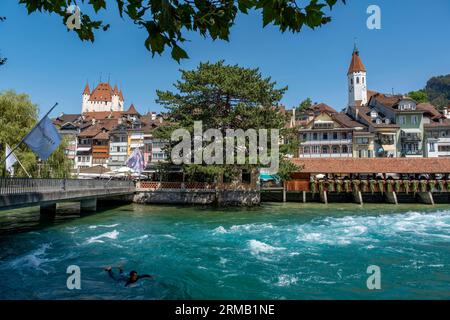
[(391, 197), (88, 205), (48, 211), (357, 196), (426, 197)]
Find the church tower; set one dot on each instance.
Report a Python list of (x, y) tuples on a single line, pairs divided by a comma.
[(357, 81)]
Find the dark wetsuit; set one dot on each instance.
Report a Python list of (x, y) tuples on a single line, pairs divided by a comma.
[(125, 278)]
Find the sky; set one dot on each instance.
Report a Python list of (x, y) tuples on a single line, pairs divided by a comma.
[(53, 65)]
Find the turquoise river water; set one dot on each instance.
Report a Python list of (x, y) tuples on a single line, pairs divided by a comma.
[(276, 251)]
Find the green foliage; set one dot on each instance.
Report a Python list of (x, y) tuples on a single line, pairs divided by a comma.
[(305, 104), (167, 21), (438, 91), (419, 96), (372, 186), (226, 97), (18, 117), (398, 185), (407, 185)]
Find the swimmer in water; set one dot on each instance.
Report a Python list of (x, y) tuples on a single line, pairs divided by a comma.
[(132, 278)]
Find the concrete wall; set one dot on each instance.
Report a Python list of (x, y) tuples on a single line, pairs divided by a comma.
[(228, 197)]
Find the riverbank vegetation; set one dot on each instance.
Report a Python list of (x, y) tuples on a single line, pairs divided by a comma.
[(19, 116)]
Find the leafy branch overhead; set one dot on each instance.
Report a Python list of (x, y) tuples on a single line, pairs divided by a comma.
[(167, 21)]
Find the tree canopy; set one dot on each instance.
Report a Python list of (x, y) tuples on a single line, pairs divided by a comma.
[(168, 21), (18, 117), (438, 91), (226, 97)]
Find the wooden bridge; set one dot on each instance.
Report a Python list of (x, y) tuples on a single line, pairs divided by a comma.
[(24, 192)]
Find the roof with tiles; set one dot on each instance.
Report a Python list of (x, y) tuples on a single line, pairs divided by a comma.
[(103, 93), (374, 165), (356, 65)]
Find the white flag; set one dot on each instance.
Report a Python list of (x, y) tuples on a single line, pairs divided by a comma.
[(10, 161)]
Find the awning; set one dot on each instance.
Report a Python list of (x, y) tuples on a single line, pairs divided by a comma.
[(268, 177), (82, 149), (411, 130)]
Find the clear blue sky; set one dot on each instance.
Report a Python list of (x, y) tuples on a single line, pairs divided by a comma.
[(51, 64)]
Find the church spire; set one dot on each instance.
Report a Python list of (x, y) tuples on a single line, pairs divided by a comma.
[(356, 64)]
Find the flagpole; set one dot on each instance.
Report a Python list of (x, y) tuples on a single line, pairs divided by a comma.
[(21, 141)]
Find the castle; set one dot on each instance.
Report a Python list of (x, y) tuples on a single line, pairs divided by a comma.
[(102, 98)]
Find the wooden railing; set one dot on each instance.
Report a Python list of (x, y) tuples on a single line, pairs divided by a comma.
[(10, 186), (373, 186)]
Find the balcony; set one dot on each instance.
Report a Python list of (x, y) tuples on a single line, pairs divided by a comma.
[(412, 152), (326, 142)]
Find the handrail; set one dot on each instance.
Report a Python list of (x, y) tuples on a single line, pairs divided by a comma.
[(10, 186)]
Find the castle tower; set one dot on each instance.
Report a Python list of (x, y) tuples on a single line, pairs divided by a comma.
[(357, 81), (85, 99), (115, 100)]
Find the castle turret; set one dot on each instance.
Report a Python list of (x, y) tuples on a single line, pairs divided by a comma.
[(85, 98)]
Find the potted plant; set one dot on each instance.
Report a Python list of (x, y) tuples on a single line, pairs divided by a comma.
[(339, 186), (407, 185), (381, 186), (372, 186), (432, 185), (356, 184), (415, 186), (423, 185), (347, 185), (331, 186), (441, 185), (365, 185), (398, 185)]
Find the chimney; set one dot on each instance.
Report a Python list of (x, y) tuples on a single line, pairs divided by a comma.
[(93, 121)]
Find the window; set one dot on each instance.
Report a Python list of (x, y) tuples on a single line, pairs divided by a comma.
[(344, 149), (402, 120), (79, 159), (335, 136), (432, 147), (415, 120), (314, 136), (325, 150), (306, 150), (362, 80), (335, 149), (351, 81), (325, 136), (357, 80), (344, 135)]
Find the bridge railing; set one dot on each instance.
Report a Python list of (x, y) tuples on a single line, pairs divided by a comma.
[(10, 186)]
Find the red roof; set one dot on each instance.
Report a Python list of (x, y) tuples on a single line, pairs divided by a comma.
[(374, 165), (132, 110), (86, 89), (103, 92), (356, 65)]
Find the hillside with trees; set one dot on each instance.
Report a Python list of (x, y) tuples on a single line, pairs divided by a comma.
[(436, 91)]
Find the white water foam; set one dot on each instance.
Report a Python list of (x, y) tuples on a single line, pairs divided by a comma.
[(369, 229), (34, 259), (103, 226), (108, 235), (257, 247), (219, 230), (285, 280)]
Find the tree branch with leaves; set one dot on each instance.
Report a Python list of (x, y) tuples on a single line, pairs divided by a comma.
[(168, 21)]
